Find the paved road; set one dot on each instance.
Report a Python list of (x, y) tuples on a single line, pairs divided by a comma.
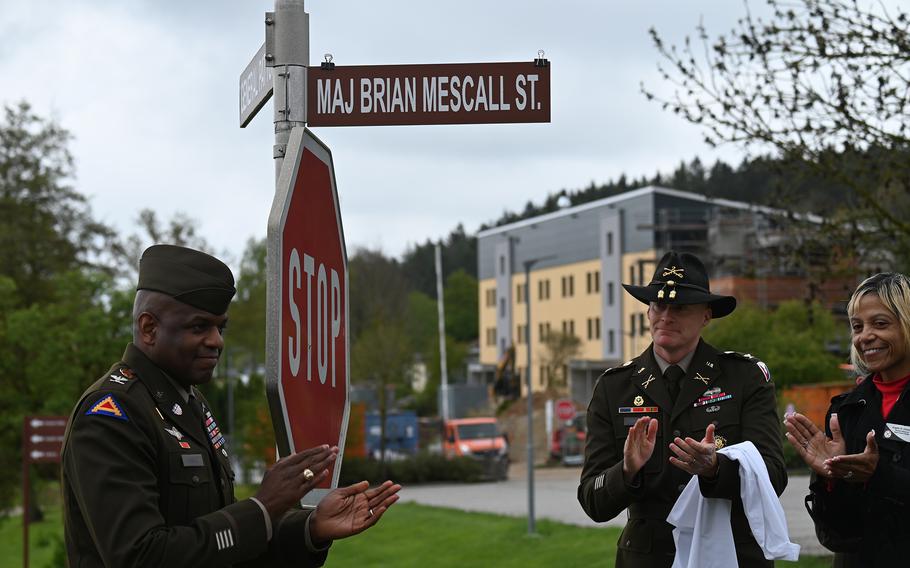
[(554, 498)]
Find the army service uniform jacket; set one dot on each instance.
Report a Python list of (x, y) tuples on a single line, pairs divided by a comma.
[(147, 482), (730, 390), (868, 524)]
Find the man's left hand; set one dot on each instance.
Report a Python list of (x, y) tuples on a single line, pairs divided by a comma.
[(696, 458), (351, 510)]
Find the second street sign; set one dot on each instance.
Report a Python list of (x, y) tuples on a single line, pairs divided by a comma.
[(453, 93)]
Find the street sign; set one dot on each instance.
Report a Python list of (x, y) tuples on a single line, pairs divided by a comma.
[(42, 438), (452, 93), (255, 87), (565, 409), (307, 321)]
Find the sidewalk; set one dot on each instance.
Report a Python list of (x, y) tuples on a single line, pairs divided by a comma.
[(554, 499)]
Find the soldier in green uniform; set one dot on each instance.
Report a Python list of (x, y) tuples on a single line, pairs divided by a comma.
[(657, 420), (146, 475)]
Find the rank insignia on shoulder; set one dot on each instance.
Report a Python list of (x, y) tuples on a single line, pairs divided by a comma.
[(719, 442), (107, 406), (764, 370)]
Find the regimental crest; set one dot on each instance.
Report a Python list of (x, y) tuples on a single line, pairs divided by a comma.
[(719, 442), (177, 409), (638, 401), (673, 271), (108, 406)]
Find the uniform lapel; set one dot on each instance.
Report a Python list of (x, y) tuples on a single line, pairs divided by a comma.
[(166, 397), (650, 381), (701, 375)]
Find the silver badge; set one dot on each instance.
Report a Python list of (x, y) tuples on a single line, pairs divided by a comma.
[(174, 432), (118, 379), (176, 409)]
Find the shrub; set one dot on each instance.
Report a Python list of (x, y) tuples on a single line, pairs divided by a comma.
[(421, 468)]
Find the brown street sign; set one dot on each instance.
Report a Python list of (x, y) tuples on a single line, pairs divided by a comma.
[(451, 93), (42, 438)]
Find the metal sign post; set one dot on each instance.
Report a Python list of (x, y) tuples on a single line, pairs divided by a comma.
[(42, 441)]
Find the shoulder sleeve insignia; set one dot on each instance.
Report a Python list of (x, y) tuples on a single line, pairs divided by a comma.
[(108, 406)]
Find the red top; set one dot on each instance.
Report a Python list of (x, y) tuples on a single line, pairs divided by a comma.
[(891, 391)]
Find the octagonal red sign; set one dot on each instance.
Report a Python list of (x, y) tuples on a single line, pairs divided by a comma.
[(308, 356)]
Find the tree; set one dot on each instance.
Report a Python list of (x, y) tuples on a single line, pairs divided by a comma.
[(46, 227), (823, 84), (794, 340), (559, 348), (62, 322), (460, 295)]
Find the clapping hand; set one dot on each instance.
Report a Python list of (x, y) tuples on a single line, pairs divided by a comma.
[(350, 510), (811, 443), (696, 458), (639, 446)]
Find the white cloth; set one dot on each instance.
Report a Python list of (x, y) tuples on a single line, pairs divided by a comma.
[(703, 535)]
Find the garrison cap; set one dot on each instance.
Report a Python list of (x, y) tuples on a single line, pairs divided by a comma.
[(187, 275)]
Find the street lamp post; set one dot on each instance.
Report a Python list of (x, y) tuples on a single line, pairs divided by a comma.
[(528, 264)]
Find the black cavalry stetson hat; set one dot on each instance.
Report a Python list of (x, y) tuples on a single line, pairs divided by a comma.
[(187, 275), (681, 278)]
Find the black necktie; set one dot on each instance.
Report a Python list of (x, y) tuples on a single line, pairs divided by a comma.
[(673, 374)]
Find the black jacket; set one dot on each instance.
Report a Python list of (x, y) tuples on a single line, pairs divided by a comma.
[(749, 413), (145, 485), (867, 524)]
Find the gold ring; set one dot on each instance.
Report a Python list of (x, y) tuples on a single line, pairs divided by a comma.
[(308, 474), (371, 512), (848, 475)]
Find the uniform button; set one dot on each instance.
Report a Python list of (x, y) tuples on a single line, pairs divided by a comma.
[(195, 479), (676, 433), (628, 542), (896, 457), (681, 487)]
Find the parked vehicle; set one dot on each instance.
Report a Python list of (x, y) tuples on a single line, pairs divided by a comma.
[(568, 443), (480, 439)]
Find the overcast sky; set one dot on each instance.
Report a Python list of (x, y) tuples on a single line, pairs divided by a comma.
[(149, 89)]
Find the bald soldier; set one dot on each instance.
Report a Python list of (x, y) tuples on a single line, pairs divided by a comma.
[(657, 420), (147, 479)]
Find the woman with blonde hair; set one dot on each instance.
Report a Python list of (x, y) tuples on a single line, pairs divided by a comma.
[(860, 488)]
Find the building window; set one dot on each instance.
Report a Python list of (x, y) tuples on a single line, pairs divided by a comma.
[(632, 275), (596, 328), (609, 293), (593, 282), (568, 327), (522, 334), (543, 289), (593, 328), (502, 307), (491, 298), (519, 294), (568, 286), (543, 330), (611, 341), (632, 325), (609, 243), (542, 375), (502, 264), (491, 336), (641, 324)]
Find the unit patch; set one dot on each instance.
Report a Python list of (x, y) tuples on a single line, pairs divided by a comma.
[(107, 406)]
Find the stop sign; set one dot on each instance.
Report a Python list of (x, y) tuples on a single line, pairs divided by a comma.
[(307, 321), (565, 409)]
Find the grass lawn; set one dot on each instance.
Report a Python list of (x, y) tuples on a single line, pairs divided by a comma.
[(419, 536), (410, 535)]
